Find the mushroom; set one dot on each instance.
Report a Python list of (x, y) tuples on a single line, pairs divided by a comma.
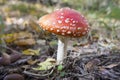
[(65, 23)]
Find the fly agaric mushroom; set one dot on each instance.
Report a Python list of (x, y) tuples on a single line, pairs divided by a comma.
[(65, 23)]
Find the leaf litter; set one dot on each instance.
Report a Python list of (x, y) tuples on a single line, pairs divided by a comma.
[(98, 58)]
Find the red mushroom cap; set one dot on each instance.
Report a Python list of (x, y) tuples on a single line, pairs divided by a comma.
[(65, 22)]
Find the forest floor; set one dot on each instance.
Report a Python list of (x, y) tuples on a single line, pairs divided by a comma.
[(31, 50)]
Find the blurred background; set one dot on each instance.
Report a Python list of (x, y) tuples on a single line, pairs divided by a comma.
[(103, 15)]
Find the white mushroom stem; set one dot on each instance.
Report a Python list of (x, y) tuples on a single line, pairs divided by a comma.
[(62, 49)]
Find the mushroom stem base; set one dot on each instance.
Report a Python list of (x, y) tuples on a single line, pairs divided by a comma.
[(62, 49)]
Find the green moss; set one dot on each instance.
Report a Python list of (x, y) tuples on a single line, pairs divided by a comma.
[(23, 8)]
